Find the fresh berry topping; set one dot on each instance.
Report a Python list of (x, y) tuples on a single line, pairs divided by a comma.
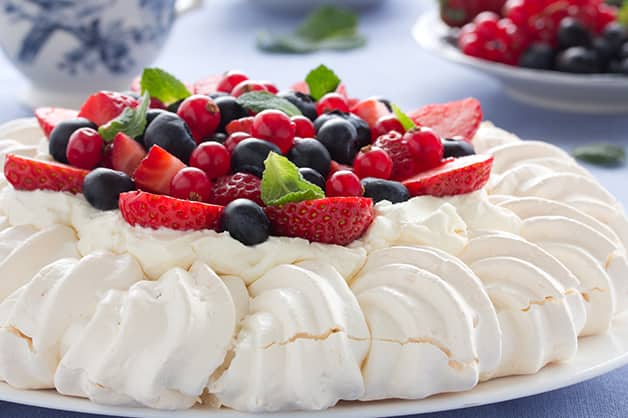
[(218, 137), (245, 221), (192, 184), (85, 148), (340, 138), (234, 139), (461, 118), (155, 172), (459, 176), (126, 154), (325, 117), (332, 220), (107, 156), (538, 56), (302, 101), (230, 110), (247, 86), (373, 162), (207, 85), (151, 115), (105, 106), (276, 127), (174, 107), (457, 147), (30, 174), (202, 116), (301, 87), (371, 110), (270, 86), (156, 211), (331, 102), (343, 183), (230, 79), (171, 133), (401, 152), (240, 125), (236, 186), (102, 187), (363, 129), (50, 117), (60, 136), (313, 176), (426, 148), (310, 153), (213, 158), (335, 167), (573, 33), (379, 189), (388, 123), (460, 12), (304, 128), (579, 60), (249, 155)]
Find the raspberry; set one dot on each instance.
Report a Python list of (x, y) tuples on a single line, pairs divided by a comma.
[(236, 186)]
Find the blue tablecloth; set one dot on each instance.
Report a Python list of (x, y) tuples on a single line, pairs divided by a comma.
[(221, 36)]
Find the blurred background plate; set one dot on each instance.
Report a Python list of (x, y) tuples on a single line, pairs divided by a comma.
[(548, 89), (303, 6)]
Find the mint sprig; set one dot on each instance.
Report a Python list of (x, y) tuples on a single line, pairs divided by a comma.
[(163, 86), (405, 120), (132, 121), (622, 15), (321, 80), (258, 101), (608, 155), (282, 183)]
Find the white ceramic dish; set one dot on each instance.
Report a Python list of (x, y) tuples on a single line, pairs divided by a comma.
[(596, 356), (549, 89)]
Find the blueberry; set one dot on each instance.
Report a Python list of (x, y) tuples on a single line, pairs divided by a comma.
[(245, 221), (218, 94), (313, 176), (151, 114), (578, 60), (217, 137), (310, 153), (378, 189), (60, 136), (573, 33), (102, 187), (249, 155), (303, 102), (341, 140), (616, 34), (538, 56), (457, 148), (619, 67), (604, 51), (174, 107), (364, 131), (171, 133), (230, 110), (322, 119)]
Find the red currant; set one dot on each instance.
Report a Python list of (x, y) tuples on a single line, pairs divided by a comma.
[(386, 124), (330, 102), (107, 154), (335, 166), (343, 183), (271, 87), (191, 183), (247, 86), (202, 116), (234, 139), (85, 148), (606, 15), (425, 147), (304, 127), (276, 127), (373, 162), (230, 79), (240, 125), (213, 158)]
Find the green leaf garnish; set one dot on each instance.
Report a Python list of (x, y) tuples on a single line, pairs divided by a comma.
[(321, 80), (405, 120), (258, 101), (622, 16), (608, 155), (132, 121), (282, 183), (163, 86)]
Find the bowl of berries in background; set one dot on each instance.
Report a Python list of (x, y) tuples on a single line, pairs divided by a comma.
[(568, 55)]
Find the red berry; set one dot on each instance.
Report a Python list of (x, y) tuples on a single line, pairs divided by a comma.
[(104, 106), (50, 117), (373, 162), (237, 186), (426, 147), (246, 87), (202, 116), (231, 79), (29, 174), (330, 102), (607, 14), (213, 158), (107, 156), (191, 184), (343, 183), (207, 85), (371, 110), (271, 87), (388, 123), (156, 170), (240, 125), (126, 154), (460, 118), (304, 127), (276, 127), (234, 139), (85, 148), (399, 151), (157, 104)]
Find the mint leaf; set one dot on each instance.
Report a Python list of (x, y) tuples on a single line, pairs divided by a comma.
[(321, 80), (258, 101), (608, 155), (405, 120), (163, 86), (282, 183), (622, 16), (132, 121)]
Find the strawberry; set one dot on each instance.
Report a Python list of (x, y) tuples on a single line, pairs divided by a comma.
[(331, 220), (30, 174), (104, 106), (157, 211), (156, 170), (207, 85), (49, 117), (240, 125), (301, 87), (126, 153), (448, 120), (401, 152), (235, 186), (370, 110), (459, 176)]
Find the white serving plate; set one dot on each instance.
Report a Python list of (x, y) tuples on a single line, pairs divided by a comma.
[(596, 356), (603, 93)]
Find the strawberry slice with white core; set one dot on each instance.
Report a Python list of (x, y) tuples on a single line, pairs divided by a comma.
[(155, 172), (449, 120), (49, 117), (126, 154), (370, 110)]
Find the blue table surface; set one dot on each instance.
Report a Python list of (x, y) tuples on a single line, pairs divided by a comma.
[(221, 36)]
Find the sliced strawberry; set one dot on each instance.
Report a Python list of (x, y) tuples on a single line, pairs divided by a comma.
[(449, 120), (126, 154), (236, 186), (30, 174), (240, 125), (301, 87), (207, 85), (370, 110), (104, 106), (332, 220), (155, 172), (49, 117), (342, 90), (157, 211), (459, 176)]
